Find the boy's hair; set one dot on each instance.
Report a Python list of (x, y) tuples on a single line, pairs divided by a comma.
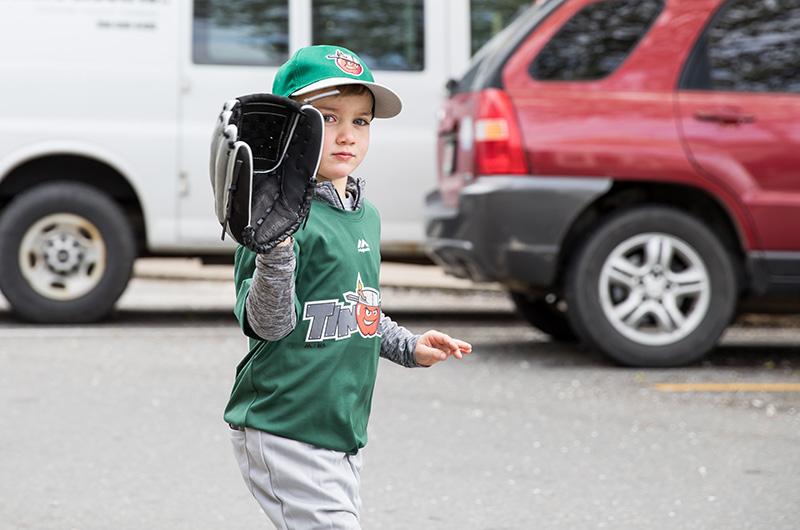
[(353, 90), (349, 90), (357, 90)]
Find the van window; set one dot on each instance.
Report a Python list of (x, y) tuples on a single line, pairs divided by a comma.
[(755, 47), (251, 32), (486, 64), (595, 42), (387, 35), (488, 17)]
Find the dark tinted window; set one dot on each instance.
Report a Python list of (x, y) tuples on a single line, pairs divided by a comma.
[(596, 40), (755, 47), (488, 17), (246, 32), (386, 34)]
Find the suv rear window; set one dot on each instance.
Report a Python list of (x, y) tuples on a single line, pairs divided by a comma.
[(595, 42)]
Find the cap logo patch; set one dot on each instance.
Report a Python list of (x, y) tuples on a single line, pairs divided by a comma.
[(346, 63)]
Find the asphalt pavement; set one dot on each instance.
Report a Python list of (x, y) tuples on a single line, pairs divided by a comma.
[(118, 425)]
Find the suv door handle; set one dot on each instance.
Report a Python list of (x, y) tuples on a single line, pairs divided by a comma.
[(724, 117)]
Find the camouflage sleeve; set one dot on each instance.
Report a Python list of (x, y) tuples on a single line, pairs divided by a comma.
[(270, 302), (397, 343)]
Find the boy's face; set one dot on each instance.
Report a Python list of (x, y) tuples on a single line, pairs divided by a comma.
[(346, 139)]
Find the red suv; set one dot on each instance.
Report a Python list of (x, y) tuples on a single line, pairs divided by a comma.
[(629, 170)]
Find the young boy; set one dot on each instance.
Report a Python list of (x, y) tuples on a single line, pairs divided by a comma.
[(311, 307)]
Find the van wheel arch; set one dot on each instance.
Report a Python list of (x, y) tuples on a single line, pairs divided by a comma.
[(83, 170)]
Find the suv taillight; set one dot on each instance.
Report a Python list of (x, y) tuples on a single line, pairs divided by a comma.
[(498, 142)]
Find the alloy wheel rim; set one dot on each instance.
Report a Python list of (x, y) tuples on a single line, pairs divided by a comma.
[(654, 289), (62, 256)]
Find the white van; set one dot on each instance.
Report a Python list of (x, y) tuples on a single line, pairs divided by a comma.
[(106, 111)]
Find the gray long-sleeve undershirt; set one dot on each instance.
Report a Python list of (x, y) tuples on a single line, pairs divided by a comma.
[(270, 306), (270, 301)]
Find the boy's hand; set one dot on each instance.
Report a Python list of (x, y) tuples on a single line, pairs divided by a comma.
[(434, 346)]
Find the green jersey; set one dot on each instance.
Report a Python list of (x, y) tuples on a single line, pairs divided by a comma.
[(315, 385)]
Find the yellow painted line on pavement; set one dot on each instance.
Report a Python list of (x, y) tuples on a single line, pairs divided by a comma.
[(728, 387)]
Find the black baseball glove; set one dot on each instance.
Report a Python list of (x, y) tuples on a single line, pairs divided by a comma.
[(265, 152)]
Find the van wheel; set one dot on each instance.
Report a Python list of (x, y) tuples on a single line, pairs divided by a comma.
[(544, 316), (652, 286), (66, 253)]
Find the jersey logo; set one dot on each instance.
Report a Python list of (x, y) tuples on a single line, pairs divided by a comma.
[(332, 319), (346, 63), (363, 246)]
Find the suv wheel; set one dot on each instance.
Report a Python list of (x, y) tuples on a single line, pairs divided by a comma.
[(544, 316), (66, 253), (652, 287)]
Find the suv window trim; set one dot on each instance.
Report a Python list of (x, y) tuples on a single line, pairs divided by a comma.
[(695, 61)]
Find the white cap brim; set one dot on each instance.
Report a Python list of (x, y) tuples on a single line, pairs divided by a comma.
[(387, 103)]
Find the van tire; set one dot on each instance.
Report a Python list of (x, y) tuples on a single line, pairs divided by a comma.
[(676, 296), (78, 254), (543, 316)]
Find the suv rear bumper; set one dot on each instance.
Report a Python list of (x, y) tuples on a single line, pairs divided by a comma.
[(508, 228)]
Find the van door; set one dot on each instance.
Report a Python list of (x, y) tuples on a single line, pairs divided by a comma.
[(97, 82), (228, 49), (405, 44), (229, 53)]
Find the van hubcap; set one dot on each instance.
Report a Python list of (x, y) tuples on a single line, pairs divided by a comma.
[(654, 289), (62, 256)]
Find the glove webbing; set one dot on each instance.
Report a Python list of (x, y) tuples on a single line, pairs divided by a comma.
[(280, 193), (262, 151)]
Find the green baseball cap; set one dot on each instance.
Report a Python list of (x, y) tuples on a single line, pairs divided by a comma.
[(316, 67)]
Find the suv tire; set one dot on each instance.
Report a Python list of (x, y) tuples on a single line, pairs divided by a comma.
[(544, 316), (66, 253), (652, 286)]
